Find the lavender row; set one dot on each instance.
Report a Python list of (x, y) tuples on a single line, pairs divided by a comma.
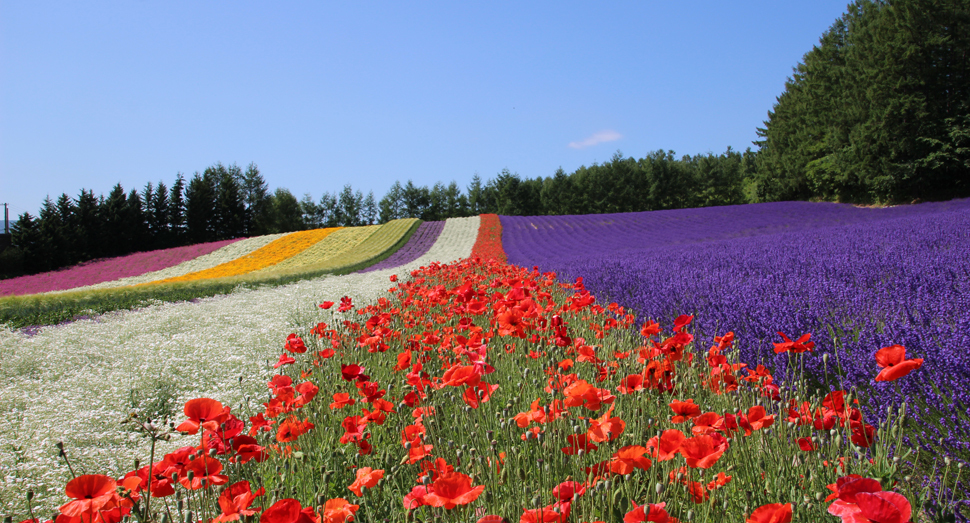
[(419, 244), (99, 271), (858, 279)]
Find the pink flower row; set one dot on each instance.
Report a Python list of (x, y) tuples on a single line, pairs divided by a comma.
[(110, 269)]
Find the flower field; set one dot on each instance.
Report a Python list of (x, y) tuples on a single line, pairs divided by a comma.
[(96, 272), (447, 385), (335, 244), (224, 255), (76, 382), (422, 240)]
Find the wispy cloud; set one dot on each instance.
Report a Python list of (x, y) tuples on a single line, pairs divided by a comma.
[(597, 138)]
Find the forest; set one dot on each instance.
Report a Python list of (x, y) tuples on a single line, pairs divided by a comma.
[(877, 113)]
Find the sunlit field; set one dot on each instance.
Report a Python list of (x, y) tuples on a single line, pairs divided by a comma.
[(634, 367)]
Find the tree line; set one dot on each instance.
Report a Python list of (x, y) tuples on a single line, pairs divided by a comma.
[(878, 112)]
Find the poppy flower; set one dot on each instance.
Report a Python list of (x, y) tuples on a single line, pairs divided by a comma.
[(491, 518), (894, 363), (341, 400), (366, 478), (202, 412), (773, 513), (796, 347), (92, 493), (628, 458), (667, 446), (684, 410), (682, 321), (719, 481), (806, 444), (415, 498), (605, 427), (345, 304), (338, 510), (288, 510), (647, 512), (326, 305), (558, 512), (205, 472), (295, 344), (292, 428), (702, 451), (451, 490), (235, 501), (567, 490), (578, 442), (285, 359)]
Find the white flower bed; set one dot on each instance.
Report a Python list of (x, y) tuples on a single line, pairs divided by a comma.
[(74, 382), (218, 257)]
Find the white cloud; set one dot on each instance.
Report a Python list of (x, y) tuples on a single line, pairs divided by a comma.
[(596, 138)]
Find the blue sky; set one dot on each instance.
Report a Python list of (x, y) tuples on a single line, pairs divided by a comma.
[(320, 94)]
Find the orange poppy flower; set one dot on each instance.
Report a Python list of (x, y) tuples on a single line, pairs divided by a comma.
[(338, 510), (366, 478), (629, 458)]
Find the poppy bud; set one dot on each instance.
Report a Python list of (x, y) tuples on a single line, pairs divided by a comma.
[(659, 488), (690, 515), (212, 452), (189, 518), (30, 495), (190, 475)]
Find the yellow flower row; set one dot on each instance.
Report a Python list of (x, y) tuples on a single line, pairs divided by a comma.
[(333, 245), (273, 253)]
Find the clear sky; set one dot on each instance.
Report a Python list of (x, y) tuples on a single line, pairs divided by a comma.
[(321, 94)]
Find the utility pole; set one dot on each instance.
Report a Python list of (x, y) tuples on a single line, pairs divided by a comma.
[(6, 220)]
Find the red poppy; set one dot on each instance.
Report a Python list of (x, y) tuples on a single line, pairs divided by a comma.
[(605, 427), (292, 428), (647, 512), (288, 510), (415, 498), (285, 359), (205, 472), (338, 510), (235, 502), (894, 363), (295, 344), (702, 451), (628, 458), (798, 346), (806, 444), (341, 400), (92, 493), (682, 321), (326, 305), (202, 412), (684, 410), (773, 513), (558, 512), (366, 478), (667, 446), (719, 481), (567, 490), (578, 442), (451, 490), (491, 518), (345, 304)]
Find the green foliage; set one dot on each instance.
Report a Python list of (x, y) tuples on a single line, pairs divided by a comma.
[(877, 112)]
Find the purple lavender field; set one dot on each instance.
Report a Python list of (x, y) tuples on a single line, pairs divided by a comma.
[(98, 271), (419, 243), (857, 279)]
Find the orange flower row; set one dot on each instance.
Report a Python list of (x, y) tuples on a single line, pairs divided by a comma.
[(277, 251), (488, 246)]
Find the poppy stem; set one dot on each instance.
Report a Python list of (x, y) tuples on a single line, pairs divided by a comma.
[(61, 453)]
